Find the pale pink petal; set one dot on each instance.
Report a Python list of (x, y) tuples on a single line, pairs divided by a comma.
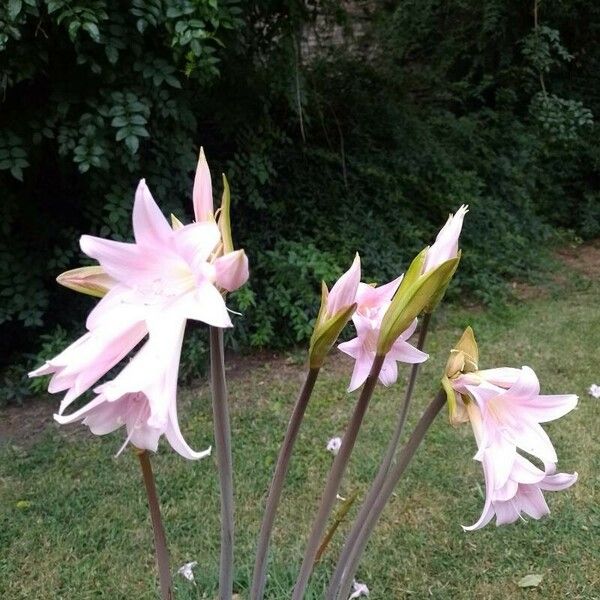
[(409, 330), (368, 296), (231, 270), (205, 304), (560, 481), (532, 438), (174, 437), (531, 501), (119, 259), (445, 246), (548, 408), (352, 348), (81, 412), (343, 293), (488, 511), (389, 371), (404, 352), (524, 389), (202, 194), (150, 227), (503, 377), (506, 512), (362, 367), (499, 455), (196, 241), (524, 471)]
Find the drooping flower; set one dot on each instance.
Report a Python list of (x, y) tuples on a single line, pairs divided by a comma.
[(334, 445), (445, 246), (372, 302), (521, 492), (512, 409), (168, 275)]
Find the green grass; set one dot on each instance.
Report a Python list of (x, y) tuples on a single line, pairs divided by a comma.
[(74, 523)]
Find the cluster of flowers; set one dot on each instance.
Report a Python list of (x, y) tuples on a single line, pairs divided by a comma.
[(149, 289), (174, 272)]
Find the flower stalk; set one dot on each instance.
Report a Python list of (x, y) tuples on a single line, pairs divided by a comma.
[(283, 460), (387, 489), (224, 460), (160, 541), (334, 480), (382, 473)]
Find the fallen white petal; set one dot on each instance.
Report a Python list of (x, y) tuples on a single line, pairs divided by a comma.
[(594, 390), (186, 570), (334, 445), (360, 589)]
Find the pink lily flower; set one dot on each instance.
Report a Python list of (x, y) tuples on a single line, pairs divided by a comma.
[(445, 246), (372, 303), (154, 285), (521, 491), (142, 397), (511, 414)]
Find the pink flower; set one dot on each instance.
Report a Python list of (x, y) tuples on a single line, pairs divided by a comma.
[(521, 491), (445, 246), (512, 409), (505, 410), (142, 397), (343, 292), (372, 304), (168, 275)]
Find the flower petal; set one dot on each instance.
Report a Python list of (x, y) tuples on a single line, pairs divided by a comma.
[(202, 195), (231, 270), (150, 227), (205, 304)]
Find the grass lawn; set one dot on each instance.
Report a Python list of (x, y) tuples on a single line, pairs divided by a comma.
[(74, 522)]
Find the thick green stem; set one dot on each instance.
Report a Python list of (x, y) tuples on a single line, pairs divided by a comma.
[(283, 460), (160, 541), (335, 477), (391, 481), (381, 474), (224, 461)]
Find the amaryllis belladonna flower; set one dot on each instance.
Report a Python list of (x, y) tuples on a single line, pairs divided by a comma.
[(505, 409), (168, 275), (372, 302)]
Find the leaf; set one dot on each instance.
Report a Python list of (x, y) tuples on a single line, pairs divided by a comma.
[(132, 142), (93, 30), (531, 580), (14, 8)]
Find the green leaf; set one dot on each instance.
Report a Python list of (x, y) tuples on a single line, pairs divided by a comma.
[(120, 122), (14, 8), (93, 30), (17, 173), (132, 142), (122, 134)]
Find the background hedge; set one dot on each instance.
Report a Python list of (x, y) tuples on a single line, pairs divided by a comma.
[(341, 126)]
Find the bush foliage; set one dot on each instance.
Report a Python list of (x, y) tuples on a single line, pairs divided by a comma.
[(361, 139)]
